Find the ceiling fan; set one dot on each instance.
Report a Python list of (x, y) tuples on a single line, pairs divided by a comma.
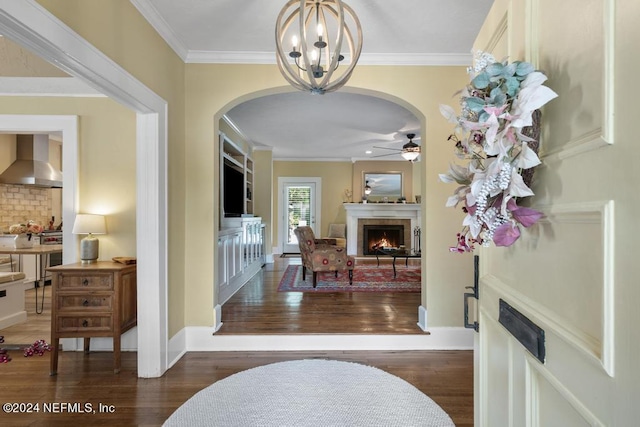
[(409, 151)]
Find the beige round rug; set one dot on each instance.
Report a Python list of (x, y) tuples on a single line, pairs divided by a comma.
[(310, 393)]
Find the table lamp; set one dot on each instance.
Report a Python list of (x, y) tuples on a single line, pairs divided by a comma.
[(89, 224)]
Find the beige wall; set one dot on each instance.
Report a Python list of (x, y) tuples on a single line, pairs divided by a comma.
[(117, 29), (211, 90), (404, 167), (20, 62), (335, 177), (199, 93), (107, 162)]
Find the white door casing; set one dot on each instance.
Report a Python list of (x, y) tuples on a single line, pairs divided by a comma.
[(30, 25), (570, 274)]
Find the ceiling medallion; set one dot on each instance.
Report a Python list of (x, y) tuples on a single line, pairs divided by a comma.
[(323, 36)]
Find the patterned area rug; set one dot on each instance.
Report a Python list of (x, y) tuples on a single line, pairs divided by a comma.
[(310, 393), (366, 278)]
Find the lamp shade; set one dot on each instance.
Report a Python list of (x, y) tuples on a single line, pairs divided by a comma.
[(410, 155), (89, 224)]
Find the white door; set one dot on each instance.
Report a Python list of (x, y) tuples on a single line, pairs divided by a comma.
[(575, 274), (299, 205)]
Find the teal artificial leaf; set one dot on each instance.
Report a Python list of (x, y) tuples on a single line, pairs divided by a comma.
[(494, 69), (475, 104), (483, 116), (496, 91), (512, 86), (509, 70), (500, 100), (481, 81), (524, 68)]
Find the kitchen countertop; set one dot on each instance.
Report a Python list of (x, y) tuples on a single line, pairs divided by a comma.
[(35, 250), (11, 277)]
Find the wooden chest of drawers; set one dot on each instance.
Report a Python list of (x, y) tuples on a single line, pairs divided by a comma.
[(92, 300)]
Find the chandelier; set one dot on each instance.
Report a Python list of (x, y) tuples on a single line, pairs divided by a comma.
[(317, 58)]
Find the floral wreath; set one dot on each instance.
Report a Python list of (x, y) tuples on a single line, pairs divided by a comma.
[(500, 108)]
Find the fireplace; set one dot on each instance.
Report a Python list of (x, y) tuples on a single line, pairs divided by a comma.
[(378, 237), (396, 231), (381, 214)]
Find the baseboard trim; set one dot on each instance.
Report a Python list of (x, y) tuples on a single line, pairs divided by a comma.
[(13, 319), (438, 338), (422, 318), (217, 315), (177, 347), (128, 342)]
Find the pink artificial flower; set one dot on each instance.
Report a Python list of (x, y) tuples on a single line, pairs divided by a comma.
[(525, 216), (462, 246), (506, 234)]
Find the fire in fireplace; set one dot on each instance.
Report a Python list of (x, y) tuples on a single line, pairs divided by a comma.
[(378, 237)]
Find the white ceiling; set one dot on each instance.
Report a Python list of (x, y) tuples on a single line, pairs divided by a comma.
[(338, 125), (296, 125)]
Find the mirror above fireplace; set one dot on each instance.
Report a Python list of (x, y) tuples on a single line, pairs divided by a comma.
[(385, 186)]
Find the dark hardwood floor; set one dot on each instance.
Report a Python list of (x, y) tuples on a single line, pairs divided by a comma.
[(258, 308), (445, 376)]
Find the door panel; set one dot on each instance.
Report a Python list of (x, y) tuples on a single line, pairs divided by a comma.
[(568, 274), (299, 206)]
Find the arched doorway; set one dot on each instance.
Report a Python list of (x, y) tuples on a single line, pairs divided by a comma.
[(276, 98)]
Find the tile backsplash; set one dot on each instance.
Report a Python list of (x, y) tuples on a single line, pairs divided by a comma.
[(19, 203)]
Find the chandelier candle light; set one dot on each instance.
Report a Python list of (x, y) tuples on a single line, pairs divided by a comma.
[(311, 63), (89, 224)]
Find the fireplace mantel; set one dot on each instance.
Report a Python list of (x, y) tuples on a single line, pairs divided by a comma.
[(356, 211)]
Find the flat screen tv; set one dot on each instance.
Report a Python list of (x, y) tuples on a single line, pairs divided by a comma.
[(233, 185)]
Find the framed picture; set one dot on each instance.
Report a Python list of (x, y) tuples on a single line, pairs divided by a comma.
[(385, 186)]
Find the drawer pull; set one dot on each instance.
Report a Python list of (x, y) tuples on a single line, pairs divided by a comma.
[(85, 323), (85, 282), (85, 303)]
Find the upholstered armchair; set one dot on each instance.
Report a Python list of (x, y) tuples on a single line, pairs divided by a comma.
[(318, 257), (338, 232)]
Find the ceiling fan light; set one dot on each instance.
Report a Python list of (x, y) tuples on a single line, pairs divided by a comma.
[(367, 188), (410, 150), (410, 155)]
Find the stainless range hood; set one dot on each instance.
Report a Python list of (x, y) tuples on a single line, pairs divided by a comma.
[(32, 165)]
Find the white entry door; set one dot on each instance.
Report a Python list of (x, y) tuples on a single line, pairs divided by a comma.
[(299, 205), (575, 274)]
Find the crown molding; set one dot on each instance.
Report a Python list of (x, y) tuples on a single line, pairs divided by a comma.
[(307, 159), (417, 59), (229, 57), (149, 12), (262, 148), (406, 59)]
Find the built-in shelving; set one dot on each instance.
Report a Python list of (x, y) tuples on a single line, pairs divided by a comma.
[(232, 156), (241, 251)]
